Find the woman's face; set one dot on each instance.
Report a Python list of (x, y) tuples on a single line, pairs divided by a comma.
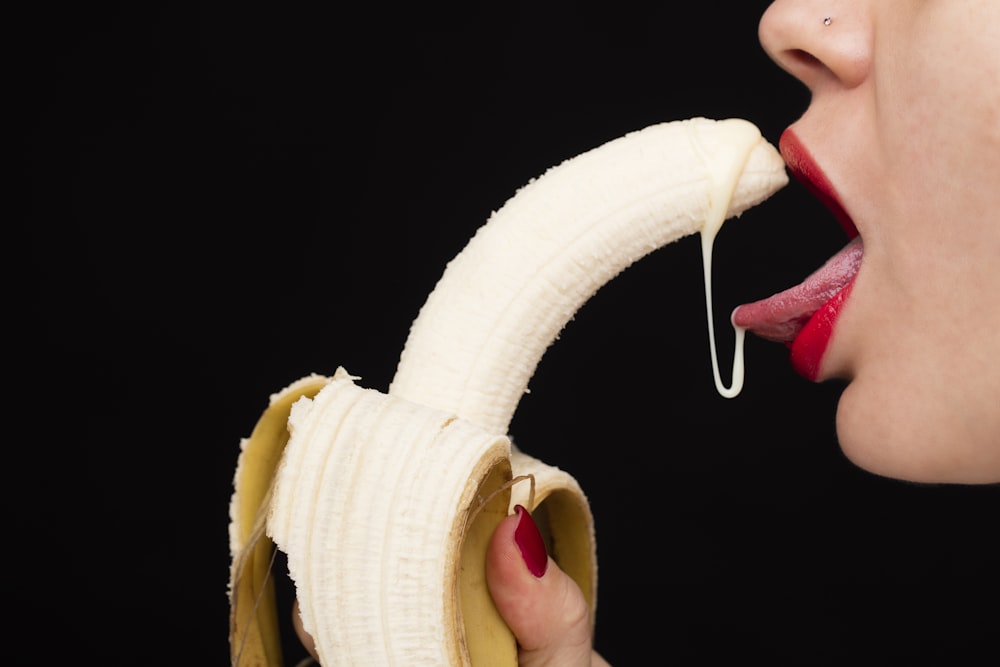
[(904, 122)]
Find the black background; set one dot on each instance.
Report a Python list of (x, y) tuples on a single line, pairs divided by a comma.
[(224, 197)]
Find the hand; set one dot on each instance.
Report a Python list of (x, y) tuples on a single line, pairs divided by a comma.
[(541, 604)]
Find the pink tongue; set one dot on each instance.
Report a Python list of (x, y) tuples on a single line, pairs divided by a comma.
[(782, 316)]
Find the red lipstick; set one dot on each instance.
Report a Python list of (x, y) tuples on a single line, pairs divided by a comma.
[(804, 316), (809, 346), (804, 168)]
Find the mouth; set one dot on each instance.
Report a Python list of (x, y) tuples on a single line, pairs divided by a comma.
[(803, 317)]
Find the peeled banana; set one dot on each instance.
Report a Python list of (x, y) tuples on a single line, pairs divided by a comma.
[(384, 503)]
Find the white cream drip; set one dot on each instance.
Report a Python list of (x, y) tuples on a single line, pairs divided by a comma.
[(726, 163)]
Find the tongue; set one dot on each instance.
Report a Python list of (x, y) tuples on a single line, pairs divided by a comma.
[(782, 316)]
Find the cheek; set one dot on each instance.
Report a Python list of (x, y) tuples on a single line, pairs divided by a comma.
[(937, 83)]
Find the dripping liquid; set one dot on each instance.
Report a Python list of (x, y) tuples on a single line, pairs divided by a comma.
[(736, 382)]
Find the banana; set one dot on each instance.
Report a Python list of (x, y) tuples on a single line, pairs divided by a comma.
[(384, 503)]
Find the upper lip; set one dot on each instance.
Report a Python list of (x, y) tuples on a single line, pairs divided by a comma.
[(805, 169)]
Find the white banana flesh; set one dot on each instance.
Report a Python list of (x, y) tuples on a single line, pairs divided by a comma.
[(385, 502), (503, 300), (374, 568)]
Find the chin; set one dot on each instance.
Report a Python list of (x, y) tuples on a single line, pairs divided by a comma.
[(911, 450)]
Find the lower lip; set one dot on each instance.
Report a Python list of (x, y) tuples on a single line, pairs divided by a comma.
[(810, 345)]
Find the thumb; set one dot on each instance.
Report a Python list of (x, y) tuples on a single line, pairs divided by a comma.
[(541, 604)]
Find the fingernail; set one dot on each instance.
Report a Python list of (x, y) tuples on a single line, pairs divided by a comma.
[(529, 541)]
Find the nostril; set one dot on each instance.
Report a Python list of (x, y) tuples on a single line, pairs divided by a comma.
[(802, 58), (803, 65)]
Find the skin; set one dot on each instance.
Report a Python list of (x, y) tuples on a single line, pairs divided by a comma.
[(548, 614), (904, 121)]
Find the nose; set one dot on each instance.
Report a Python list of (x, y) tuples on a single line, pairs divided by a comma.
[(820, 43)]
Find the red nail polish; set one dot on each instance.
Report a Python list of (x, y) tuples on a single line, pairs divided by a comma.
[(529, 541)]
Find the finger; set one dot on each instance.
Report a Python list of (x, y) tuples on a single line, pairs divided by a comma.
[(541, 604), (304, 637)]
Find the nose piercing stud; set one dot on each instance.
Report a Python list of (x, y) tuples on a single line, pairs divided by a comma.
[(828, 20)]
